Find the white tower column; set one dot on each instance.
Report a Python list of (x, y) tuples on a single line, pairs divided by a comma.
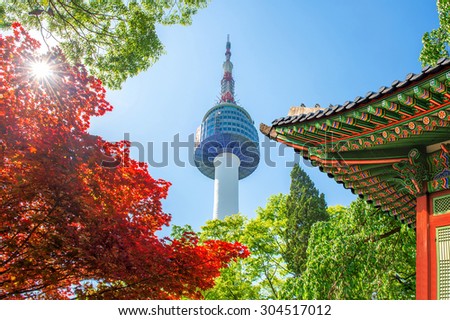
[(226, 185)]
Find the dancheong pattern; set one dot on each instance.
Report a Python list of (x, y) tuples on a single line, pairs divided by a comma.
[(388, 147)]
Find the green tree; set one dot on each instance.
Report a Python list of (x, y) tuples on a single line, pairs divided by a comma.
[(262, 275), (435, 43), (359, 253), (115, 39), (304, 207)]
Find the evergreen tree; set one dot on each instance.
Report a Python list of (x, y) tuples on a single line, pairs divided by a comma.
[(305, 206)]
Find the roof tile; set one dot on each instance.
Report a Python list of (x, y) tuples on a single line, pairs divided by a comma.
[(292, 119), (447, 61), (341, 107), (402, 84), (381, 89), (387, 90), (351, 105), (441, 60), (409, 76), (395, 83), (418, 76), (426, 68), (311, 116), (332, 110), (321, 113), (375, 95), (435, 68), (276, 121), (363, 99)]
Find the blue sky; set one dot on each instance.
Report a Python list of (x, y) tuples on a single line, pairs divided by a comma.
[(284, 53)]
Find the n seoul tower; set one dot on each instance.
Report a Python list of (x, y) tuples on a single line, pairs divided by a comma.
[(226, 145)]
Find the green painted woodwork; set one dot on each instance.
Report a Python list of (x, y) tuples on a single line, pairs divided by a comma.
[(439, 171), (437, 86), (381, 112), (396, 107), (441, 205), (344, 126), (412, 102), (365, 116), (424, 94), (443, 262), (356, 122), (349, 144)]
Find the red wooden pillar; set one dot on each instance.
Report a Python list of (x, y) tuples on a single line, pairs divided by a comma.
[(437, 220), (426, 254), (423, 248)]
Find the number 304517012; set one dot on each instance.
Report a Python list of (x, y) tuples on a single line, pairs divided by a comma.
[(296, 310)]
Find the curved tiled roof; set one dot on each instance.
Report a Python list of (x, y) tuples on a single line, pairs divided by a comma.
[(378, 145)]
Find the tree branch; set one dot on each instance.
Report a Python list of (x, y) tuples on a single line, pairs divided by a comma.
[(384, 235)]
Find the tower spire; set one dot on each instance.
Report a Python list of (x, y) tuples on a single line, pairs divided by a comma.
[(227, 83)]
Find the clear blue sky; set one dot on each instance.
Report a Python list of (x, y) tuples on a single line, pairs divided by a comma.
[(284, 53)]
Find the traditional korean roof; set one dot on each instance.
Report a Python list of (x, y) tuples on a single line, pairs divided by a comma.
[(388, 146)]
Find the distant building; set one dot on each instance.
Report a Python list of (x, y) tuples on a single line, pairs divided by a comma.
[(302, 109), (227, 145)]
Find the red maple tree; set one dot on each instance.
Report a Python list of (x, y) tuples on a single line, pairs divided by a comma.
[(69, 226)]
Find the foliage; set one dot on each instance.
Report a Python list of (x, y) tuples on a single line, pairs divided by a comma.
[(114, 39), (71, 227), (353, 253), (305, 206), (436, 42), (263, 273), (360, 253)]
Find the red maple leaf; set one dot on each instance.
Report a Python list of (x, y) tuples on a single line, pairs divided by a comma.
[(70, 227)]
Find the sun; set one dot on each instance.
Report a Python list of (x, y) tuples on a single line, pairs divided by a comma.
[(41, 69)]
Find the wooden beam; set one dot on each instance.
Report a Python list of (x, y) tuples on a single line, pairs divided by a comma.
[(427, 95), (395, 107), (356, 122), (365, 116), (412, 102), (343, 126), (379, 112)]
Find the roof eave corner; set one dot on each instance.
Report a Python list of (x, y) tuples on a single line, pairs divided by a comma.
[(267, 131)]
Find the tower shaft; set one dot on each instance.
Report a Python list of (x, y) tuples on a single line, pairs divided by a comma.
[(226, 185)]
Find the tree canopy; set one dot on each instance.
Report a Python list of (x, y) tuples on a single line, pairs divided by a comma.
[(356, 253), (78, 216), (359, 253), (436, 42), (114, 39)]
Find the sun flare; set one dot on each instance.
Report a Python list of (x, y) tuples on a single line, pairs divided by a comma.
[(41, 69)]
